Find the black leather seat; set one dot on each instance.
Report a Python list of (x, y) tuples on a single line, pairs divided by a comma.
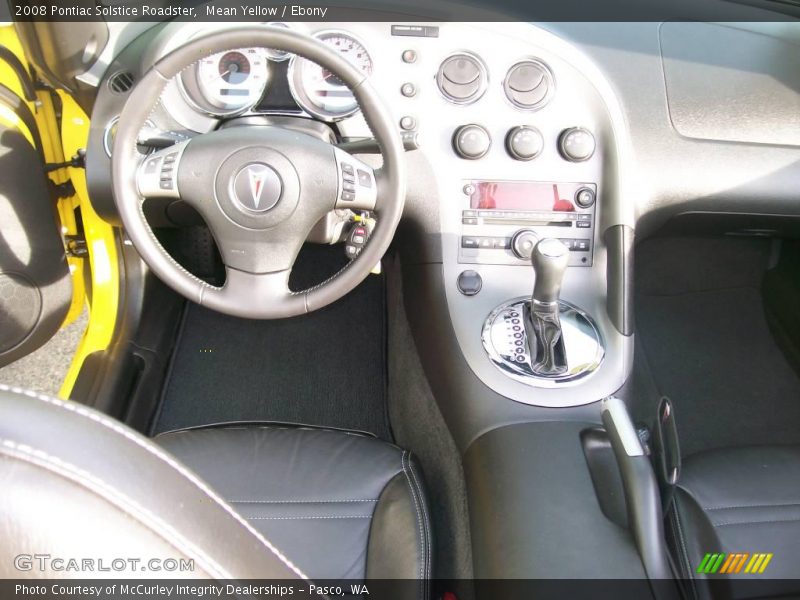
[(339, 505), (262, 502), (738, 501)]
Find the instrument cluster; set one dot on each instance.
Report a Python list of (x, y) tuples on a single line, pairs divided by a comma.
[(234, 82)]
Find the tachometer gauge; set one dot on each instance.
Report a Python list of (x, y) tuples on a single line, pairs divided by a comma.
[(318, 91), (228, 82)]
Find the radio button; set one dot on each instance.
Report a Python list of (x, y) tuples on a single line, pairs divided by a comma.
[(469, 221), (584, 197), (523, 243), (469, 242), (569, 243), (584, 224), (582, 245), (501, 243)]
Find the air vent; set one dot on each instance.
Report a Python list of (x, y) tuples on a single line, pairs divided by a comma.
[(462, 78), (529, 84), (121, 83)]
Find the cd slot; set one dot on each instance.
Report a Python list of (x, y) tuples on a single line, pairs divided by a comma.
[(526, 222)]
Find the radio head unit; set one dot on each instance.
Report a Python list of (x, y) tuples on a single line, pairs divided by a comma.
[(501, 221)]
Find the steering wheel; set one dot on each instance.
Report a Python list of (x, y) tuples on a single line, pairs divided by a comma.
[(260, 189)]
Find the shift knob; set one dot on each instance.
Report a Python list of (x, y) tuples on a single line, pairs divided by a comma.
[(549, 260)]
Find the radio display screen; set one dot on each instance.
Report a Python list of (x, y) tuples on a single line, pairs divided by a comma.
[(522, 196)]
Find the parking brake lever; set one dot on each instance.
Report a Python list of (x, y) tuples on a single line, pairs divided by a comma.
[(642, 497)]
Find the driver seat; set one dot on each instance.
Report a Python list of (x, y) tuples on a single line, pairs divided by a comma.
[(240, 501)]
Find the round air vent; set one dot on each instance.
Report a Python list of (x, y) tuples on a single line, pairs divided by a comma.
[(121, 83), (462, 78), (529, 84)]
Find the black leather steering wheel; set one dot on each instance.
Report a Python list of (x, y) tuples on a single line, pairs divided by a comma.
[(260, 189)]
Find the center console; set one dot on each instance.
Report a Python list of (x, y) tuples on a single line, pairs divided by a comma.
[(525, 144)]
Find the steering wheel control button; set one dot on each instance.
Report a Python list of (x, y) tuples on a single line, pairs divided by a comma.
[(364, 178), (469, 283), (257, 187), (157, 176), (409, 90), (524, 142), (576, 144), (471, 142), (408, 123), (529, 84), (584, 197)]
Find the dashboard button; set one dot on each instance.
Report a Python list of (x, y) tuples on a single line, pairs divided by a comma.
[(409, 90), (524, 142), (408, 123), (469, 242), (471, 141), (409, 56), (576, 144), (469, 283)]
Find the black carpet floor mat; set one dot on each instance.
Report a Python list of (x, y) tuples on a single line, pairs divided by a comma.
[(706, 343), (327, 368)]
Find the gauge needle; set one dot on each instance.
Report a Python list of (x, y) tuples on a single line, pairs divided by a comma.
[(221, 75)]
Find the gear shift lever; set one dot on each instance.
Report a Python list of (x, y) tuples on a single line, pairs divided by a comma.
[(542, 322)]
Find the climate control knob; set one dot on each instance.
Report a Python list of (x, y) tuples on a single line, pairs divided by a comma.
[(524, 142), (576, 144), (523, 242), (471, 141)]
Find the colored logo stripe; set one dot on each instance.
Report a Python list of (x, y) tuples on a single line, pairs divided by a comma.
[(720, 562)]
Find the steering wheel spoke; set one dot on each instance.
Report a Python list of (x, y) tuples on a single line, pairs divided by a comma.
[(157, 176), (255, 295), (357, 187)]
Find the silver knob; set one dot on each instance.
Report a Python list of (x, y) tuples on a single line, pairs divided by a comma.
[(549, 259)]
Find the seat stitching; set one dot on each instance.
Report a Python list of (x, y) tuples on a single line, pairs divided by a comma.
[(679, 529), (309, 517), (416, 506), (752, 506), (297, 501), (155, 451), (426, 521), (724, 523), (681, 562), (95, 484)]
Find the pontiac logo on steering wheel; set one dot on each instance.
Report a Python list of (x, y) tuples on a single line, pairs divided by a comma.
[(256, 187)]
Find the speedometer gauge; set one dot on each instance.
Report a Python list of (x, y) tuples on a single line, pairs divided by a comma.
[(228, 82), (318, 91)]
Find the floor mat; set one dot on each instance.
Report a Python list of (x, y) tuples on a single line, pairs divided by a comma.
[(326, 368), (712, 353)]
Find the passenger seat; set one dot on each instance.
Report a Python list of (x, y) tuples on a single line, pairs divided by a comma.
[(742, 501)]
